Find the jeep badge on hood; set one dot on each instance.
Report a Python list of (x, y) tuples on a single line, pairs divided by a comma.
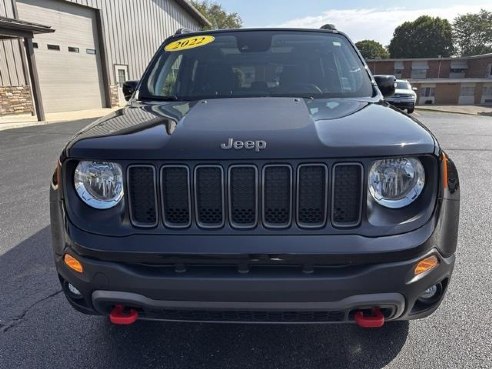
[(257, 145)]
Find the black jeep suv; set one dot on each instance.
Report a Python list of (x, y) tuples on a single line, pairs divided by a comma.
[(256, 176)]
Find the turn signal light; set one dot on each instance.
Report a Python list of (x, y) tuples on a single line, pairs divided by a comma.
[(426, 264), (444, 160), (73, 263)]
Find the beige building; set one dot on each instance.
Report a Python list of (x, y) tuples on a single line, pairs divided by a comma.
[(66, 55), (444, 81)]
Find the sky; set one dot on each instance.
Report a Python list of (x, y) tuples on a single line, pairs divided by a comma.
[(373, 20)]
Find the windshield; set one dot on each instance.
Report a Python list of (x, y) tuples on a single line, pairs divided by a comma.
[(257, 63), (403, 86)]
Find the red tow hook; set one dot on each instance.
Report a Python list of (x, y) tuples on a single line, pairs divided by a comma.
[(121, 317), (375, 320)]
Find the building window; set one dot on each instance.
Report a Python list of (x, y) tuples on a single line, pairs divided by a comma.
[(121, 76), (419, 69), (427, 91), (457, 68), (398, 73), (487, 91), (35, 45), (73, 49), (467, 91), (90, 51), (419, 73), (457, 72), (487, 94), (54, 47)]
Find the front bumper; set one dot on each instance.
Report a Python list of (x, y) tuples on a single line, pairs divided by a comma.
[(402, 104), (265, 292)]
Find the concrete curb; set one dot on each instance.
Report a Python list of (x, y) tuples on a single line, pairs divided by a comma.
[(476, 110), (444, 111)]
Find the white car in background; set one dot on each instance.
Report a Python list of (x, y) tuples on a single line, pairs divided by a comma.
[(404, 96)]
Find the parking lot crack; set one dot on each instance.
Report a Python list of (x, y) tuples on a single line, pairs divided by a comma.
[(19, 318)]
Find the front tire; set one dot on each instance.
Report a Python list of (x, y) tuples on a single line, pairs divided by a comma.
[(410, 110)]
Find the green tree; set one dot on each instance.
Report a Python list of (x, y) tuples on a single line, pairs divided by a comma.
[(371, 49), (473, 33), (216, 15), (425, 37)]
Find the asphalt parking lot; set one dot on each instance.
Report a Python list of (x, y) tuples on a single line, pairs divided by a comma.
[(38, 328)]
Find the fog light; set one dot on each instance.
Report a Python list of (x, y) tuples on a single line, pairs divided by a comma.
[(73, 263), (429, 293), (73, 290), (426, 264)]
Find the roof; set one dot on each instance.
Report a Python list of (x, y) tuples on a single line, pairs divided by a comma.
[(199, 17), (426, 59), (189, 33), (449, 80), (14, 28)]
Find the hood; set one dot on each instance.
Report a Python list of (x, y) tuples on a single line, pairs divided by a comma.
[(291, 128)]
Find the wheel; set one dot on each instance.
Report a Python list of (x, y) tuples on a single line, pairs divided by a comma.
[(410, 110)]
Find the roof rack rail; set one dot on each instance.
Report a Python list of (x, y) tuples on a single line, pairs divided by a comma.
[(330, 27), (182, 31)]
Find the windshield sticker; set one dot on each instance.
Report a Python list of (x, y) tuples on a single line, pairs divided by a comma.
[(189, 43)]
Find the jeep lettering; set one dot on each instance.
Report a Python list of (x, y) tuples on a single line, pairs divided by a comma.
[(249, 145)]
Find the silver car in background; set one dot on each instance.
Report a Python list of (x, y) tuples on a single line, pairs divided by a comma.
[(404, 96)]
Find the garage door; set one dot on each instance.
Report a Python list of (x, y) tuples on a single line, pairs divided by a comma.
[(68, 60)]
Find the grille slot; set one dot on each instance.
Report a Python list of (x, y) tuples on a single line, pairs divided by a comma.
[(176, 197), (311, 195), (347, 194), (277, 196), (142, 193), (209, 196), (243, 196)]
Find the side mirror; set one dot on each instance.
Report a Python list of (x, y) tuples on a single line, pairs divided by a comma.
[(415, 88), (129, 88), (386, 84)]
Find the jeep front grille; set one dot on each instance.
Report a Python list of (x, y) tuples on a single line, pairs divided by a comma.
[(242, 196)]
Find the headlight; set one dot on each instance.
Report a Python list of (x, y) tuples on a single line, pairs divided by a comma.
[(395, 183), (99, 184)]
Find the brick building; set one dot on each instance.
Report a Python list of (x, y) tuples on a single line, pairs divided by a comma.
[(444, 81)]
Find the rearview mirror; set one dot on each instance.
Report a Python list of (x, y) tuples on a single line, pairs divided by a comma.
[(129, 88), (386, 84)]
